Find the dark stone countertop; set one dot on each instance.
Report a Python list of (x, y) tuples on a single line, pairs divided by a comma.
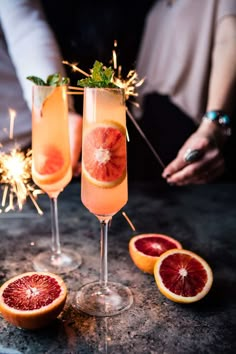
[(202, 218)]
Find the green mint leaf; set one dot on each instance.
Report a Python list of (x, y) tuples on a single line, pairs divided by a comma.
[(52, 80), (36, 80), (100, 77), (108, 74), (65, 81), (97, 72), (88, 82)]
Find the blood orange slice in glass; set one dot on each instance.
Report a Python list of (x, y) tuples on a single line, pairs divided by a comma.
[(145, 249), (32, 300), (104, 154), (49, 165), (183, 276), (50, 162)]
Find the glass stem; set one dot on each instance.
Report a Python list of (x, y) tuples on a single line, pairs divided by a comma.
[(103, 266), (56, 247)]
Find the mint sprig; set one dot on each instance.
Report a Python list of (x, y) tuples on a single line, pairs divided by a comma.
[(101, 76), (52, 80)]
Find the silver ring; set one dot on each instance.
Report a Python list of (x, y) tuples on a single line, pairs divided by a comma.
[(192, 155)]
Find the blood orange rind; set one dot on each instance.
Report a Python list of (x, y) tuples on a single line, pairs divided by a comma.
[(145, 249), (32, 307), (105, 124), (47, 178), (101, 184), (104, 154), (183, 276)]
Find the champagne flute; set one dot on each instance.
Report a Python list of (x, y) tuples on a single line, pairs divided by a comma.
[(104, 189), (51, 167)]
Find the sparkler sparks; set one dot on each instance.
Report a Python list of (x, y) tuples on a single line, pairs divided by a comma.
[(129, 84), (15, 176), (12, 115), (75, 67), (129, 221)]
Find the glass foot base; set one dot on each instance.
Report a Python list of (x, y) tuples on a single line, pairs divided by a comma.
[(67, 261), (103, 301)]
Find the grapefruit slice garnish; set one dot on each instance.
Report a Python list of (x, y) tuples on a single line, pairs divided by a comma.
[(49, 166), (32, 300), (183, 276), (104, 154), (145, 249)]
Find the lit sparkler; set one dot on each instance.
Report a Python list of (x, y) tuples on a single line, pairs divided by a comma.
[(129, 221), (15, 176), (12, 115), (129, 84)]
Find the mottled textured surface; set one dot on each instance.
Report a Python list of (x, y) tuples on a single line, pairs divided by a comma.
[(202, 218)]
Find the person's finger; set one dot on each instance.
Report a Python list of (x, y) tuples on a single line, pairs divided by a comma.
[(192, 150), (185, 175), (202, 172), (183, 159)]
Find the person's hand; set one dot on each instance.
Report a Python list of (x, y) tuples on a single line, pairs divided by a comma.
[(207, 167), (75, 133)]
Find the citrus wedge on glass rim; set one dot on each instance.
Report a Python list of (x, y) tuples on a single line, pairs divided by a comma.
[(183, 276), (104, 154), (32, 300), (145, 249), (44, 93)]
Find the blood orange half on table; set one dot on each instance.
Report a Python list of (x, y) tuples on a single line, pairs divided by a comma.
[(183, 276), (32, 300), (145, 249), (104, 154)]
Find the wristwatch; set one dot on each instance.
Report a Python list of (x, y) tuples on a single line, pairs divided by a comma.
[(221, 119)]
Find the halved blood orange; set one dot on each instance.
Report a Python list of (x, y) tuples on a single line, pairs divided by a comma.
[(32, 300), (50, 165), (104, 154), (145, 249), (183, 276)]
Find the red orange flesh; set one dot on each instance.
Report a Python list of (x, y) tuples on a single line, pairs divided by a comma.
[(183, 276), (145, 249), (104, 154), (32, 300)]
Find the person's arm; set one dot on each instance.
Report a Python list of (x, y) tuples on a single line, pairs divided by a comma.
[(223, 74), (222, 85), (210, 137), (30, 41)]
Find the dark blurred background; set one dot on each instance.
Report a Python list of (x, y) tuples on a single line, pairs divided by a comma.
[(86, 31)]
